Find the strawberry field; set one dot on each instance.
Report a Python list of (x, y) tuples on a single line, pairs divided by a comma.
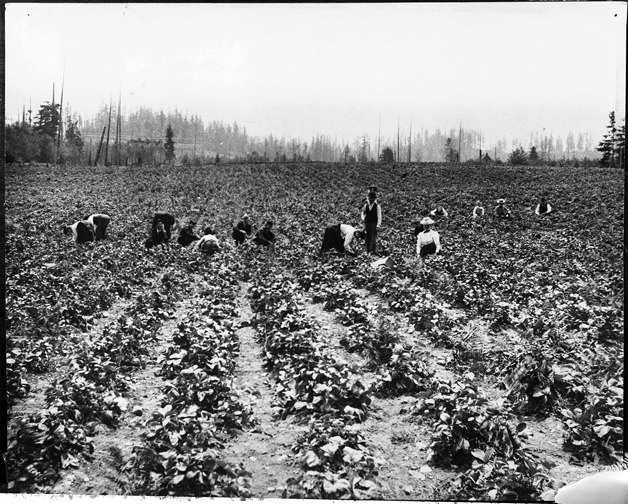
[(493, 372)]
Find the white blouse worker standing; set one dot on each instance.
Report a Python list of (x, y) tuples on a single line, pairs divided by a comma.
[(428, 240)]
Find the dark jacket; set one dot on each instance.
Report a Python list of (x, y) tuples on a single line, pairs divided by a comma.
[(166, 218), (264, 237), (187, 236)]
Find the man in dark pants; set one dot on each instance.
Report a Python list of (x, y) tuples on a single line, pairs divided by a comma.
[(372, 217), (340, 237), (100, 223)]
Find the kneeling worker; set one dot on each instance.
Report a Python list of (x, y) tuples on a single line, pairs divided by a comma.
[(340, 237), (428, 240), (208, 244)]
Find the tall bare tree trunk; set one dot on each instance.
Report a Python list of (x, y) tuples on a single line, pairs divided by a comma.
[(102, 137), (60, 117), (108, 132), (379, 132)]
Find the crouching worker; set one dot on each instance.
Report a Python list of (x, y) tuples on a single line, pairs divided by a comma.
[(187, 234), (428, 240), (82, 231), (339, 237), (543, 208), (501, 211), (100, 223), (265, 236), (168, 221), (158, 235), (242, 230), (208, 244)]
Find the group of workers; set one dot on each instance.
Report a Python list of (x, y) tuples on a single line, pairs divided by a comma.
[(338, 237)]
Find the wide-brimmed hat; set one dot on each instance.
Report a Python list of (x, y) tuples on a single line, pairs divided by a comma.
[(427, 221), (245, 216), (501, 200)]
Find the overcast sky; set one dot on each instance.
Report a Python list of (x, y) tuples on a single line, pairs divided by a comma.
[(301, 69)]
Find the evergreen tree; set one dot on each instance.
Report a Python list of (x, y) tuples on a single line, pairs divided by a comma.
[(608, 146), (169, 145), (518, 157), (534, 156), (48, 119), (451, 154), (621, 145), (387, 155)]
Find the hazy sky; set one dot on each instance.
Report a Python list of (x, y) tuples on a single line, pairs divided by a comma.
[(301, 69)]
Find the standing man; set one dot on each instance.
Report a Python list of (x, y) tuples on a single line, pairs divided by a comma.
[(100, 222), (372, 218)]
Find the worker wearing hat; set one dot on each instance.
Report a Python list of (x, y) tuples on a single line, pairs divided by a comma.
[(372, 217), (187, 234), (501, 211), (242, 230), (428, 240)]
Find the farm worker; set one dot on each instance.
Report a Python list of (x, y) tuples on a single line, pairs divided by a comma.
[(208, 244), (264, 235), (340, 237), (242, 230), (158, 235), (543, 208), (100, 222), (439, 213), (187, 234), (372, 217), (501, 211), (167, 219), (428, 240), (478, 210), (372, 189), (608, 487), (82, 231)]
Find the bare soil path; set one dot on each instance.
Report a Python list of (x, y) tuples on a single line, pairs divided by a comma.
[(265, 449)]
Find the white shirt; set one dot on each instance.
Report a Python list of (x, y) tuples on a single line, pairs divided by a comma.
[(478, 211), (74, 231), (425, 238), (379, 212), (538, 209), (207, 238), (434, 214), (347, 233), (90, 219)]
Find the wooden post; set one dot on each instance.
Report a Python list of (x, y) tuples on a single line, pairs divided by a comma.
[(102, 137), (108, 132)]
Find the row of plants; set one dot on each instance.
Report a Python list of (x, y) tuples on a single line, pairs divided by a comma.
[(315, 386), (180, 453), (92, 393)]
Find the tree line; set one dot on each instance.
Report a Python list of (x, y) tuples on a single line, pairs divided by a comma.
[(140, 137)]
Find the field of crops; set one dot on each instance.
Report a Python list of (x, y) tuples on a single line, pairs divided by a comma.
[(494, 372)]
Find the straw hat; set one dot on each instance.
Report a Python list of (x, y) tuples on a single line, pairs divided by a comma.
[(501, 200), (427, 221)]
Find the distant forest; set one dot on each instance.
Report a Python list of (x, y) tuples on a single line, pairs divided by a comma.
[(139, 136), (231, 141)]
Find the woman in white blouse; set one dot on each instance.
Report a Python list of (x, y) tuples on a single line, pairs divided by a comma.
[(428, 240)]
